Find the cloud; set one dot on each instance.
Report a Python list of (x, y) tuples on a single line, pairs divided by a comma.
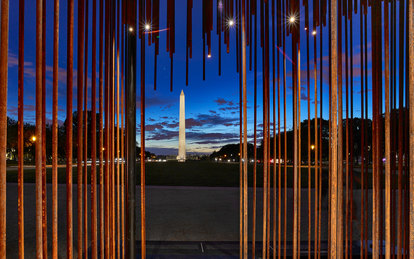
[(156, 101), (221, 101)]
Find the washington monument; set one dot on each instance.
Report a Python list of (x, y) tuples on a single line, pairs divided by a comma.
[(181, 137)]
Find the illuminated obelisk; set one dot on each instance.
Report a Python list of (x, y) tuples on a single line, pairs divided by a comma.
[(181, 138)]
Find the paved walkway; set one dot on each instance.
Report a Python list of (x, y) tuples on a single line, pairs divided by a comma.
[(173, 214)]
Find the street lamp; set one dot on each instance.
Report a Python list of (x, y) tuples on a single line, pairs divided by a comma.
[(33, 138)]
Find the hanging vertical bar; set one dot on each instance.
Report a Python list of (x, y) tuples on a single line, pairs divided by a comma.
[(265, 128), (255, 135), (44, 196), (116, 133), (387, 137), (20, 133), (79, 93), (333, 185), (339, 232), (376, 84), (411, 121), (274, 127), (55, 132), (101, 135), (316, 168), (130, 116), (4, 43), (171, 11), (106, 148), (38, 154), (284, 132), (85, 137), (245, 186), (69, 126), (123, 194), (94, 214)]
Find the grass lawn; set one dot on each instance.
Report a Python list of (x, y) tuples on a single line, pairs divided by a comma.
[(190, 173)]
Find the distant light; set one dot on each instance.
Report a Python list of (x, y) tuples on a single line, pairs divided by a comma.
[(314, 32), (306, 28), (131, 29), (292, 19), (33, 138), (209, 55), (220, 5), (231, 23), (312, 147), (147, 27)]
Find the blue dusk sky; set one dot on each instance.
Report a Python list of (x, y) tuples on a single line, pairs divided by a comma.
[(212, 115)]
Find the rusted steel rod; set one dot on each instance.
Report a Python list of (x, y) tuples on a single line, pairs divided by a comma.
[(106, 148), (81, 6), (43, 140), (316, 168), (411, 121), (278, 24), (118, 216), (387, 136), (284, 133), (333, 185), (123, 194), (245, 157), (321, 17), (20, 133), (85, 137), (38, 133), (55, 132), (94, 208), (254, 7), (4, 42), (400, 127), (274, 128), (351, 197), (339, 231), (101, 135), (307, 28), (238, 63), (171, 10), (130, 116), (69, 126)]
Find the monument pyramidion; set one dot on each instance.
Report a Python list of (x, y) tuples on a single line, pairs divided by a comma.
[(181, 138)]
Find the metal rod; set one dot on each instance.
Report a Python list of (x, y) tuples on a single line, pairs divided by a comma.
[(4, 42), (411, 121), (55, 132), (118, 207), (38, 154), (43, 140), (94, 208), (245, 162), (142, 128), (85, 137), (101, 135), (123, 193), (387, 137), (69, 126), (254, 137), (20, 137), (130, 116), (81, 6), (333, 185)]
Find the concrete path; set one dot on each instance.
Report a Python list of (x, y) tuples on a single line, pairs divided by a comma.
[(173, 214)]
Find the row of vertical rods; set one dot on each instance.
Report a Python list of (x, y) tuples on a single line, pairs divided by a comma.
[(112, 148)]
